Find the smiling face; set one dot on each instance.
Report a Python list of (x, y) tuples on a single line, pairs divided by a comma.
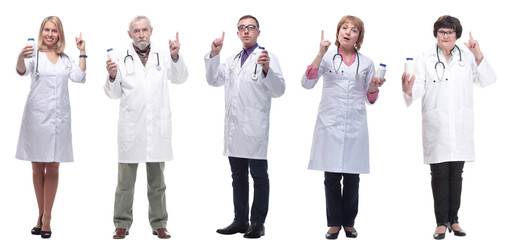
[(249, 35), (140, 32), (348, 35), (50, 34)]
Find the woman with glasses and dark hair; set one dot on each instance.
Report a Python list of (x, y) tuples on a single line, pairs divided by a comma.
[(340, 142), (444, 77)]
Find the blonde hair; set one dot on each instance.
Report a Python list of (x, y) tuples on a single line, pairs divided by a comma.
[(61, 43), (358, 23)]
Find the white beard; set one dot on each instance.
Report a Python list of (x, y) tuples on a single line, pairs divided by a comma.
[(142, 44)]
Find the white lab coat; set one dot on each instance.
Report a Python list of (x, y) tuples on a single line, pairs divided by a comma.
[(247, 102), (45, 134), (447, 106), (144, 126), (340, 140)]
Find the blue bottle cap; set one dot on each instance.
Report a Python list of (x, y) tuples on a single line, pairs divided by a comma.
[(382, 64), (409, 59), (31, 39), (110, 49), (260, 47)]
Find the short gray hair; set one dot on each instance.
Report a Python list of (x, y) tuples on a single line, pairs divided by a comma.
[(138, 18)]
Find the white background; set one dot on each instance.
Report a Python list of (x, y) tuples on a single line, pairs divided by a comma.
[(395, 199)]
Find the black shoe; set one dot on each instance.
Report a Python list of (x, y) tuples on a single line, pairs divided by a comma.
[(256, 230), (350, 234), (456, 233), (35, 230), (332, 235), (46, 234), (235, 227), (440, 235)]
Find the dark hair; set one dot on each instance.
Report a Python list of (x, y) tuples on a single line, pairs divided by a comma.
[(450, 22), (250, 16)]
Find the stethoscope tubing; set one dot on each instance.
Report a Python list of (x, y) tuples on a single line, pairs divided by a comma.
[(128, 55), (336, 70), (461, 63)]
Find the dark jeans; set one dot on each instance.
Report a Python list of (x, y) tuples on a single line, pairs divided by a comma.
[(341, 208), (240, 174), (446, 189)]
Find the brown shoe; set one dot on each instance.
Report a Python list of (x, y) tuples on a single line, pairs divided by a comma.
[(162, 233), (120, 233)]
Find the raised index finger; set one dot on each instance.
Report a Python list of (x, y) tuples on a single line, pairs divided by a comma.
[(177, 38), (222, 38), (322, 35), (470, 36)]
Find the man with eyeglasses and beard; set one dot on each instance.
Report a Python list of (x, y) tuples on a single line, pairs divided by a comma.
[(251, 79)]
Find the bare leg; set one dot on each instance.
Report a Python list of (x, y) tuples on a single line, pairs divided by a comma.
[(334, 229), (38, 179), (50, 190)]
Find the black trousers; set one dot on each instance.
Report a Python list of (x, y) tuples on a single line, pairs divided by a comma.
[(446, 189), (341, 208), (240, 174)]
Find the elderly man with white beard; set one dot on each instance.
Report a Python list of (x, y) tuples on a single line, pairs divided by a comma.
[(140, 80)]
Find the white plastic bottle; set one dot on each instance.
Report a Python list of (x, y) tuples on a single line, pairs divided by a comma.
[(381, 71), (409, 66), (31, 42), (112, 55)]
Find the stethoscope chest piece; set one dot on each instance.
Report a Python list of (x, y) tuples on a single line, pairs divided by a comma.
[(254, 76)]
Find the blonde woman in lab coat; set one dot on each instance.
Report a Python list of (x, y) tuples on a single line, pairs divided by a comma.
[(444, 77), (45, 135), (340, 141)]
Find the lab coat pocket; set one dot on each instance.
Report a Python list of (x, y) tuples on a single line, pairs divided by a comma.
[(125, 131), (165, 124), (255, 123), (66, 109), (37, 106), (468, 124), (431, 129)]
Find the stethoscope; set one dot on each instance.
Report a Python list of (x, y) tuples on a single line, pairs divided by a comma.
[(37, 64), (129, 56), (254, 76), (461, 63), (341, 58)]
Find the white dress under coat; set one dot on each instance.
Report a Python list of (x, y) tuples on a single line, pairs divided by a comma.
[(45, 134)]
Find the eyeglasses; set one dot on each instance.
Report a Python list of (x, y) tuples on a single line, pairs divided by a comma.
[(251, 28), (443, 33)]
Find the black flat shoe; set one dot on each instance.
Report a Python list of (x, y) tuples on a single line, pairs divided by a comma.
[(440, 235), (460, 233), (235, 227), (332, 235), (256, 230), (37, 230), (46, 234)]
